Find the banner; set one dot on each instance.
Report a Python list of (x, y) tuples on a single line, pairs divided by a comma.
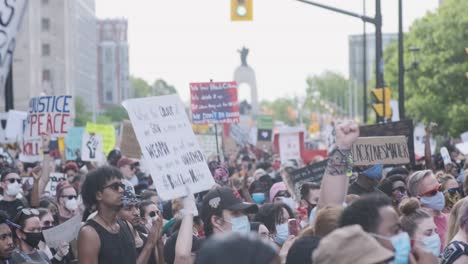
[(214, 102), (289, 147), (106, 131), (12, 15), (54, 180), (169, 145), (380, 150), (15, 125), (312, 173), (49, 114), (73, 142), (129, 143), (91, 147)]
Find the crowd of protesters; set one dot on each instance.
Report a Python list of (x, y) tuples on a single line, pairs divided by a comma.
[(357, 214)]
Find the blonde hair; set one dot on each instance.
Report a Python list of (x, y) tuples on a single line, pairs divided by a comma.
[(454, 219), (415, 179), (327, 220), (444, 179)]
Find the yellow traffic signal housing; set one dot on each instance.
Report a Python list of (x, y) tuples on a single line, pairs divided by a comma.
[(379, 107), (241, 10)]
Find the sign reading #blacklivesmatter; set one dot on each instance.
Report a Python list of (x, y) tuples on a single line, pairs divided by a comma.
[(214, 102), (174, 157), (312, 173), (380, 150)]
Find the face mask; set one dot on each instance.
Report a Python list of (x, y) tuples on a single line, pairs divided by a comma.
[(282, 233), (240, 224), (258, 198), (432, 244), (71, 204), (33, 238), (402, 245), (289, 202), (436, 202), (374, 172), (13, 189)]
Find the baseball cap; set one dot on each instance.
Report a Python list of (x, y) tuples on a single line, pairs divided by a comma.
[(224, 198), (353, 244), (125, 161), (129, 198), (71, 166)]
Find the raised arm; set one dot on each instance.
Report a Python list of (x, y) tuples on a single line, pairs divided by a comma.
[(183, 249), (335, 181), (153, 237)]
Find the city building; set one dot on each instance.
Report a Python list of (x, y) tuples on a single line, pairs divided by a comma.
[(113, 63), (56, 52)]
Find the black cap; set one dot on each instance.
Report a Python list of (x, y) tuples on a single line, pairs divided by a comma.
[(225, 198)]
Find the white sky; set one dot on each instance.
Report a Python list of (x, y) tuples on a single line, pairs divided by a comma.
[(183, 41)]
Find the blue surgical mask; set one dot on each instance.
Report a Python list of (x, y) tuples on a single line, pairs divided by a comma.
[(374, 172), (240, 224), (258, 198), (402, 245), (282, 233), (436, 202), (432, 244)]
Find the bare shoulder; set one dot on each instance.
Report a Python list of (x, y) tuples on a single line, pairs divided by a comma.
[(89, 235), (461, 260)]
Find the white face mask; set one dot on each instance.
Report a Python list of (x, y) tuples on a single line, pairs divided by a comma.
[(71, 204), (13, 189)]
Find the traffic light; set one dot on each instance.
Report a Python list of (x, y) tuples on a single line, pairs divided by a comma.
[(381, 103), (241, 10)]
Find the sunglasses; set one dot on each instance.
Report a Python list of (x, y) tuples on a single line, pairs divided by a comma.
[(49, 223), (452, 191), (431, 192), (12, 180), (153, 213), (30, 211), (400, 189), (70, 197), (115, 186)]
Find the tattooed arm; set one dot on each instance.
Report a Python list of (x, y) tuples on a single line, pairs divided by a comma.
[(335, 181)]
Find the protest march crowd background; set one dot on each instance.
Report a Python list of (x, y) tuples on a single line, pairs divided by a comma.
[(79, 195)]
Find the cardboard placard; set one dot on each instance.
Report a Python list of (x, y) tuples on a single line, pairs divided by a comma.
[(380, 150), (214, 102), (54, 180), (289, 146), (73, 142), (91, 148), (106, 131), (15, 125), (169, 146), (312, 173), (401, 128), (31, 150), (129, 144), (463, 148), (65, 232)]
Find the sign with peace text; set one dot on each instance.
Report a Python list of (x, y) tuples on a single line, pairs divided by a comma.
[(91, 148), (49, 114), (169, 146), (214, 102), (312, 173), (381, 150)]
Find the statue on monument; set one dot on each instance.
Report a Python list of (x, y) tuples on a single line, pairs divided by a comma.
[(244, 52)]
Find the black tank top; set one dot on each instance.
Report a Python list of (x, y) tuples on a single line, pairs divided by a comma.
[(115, 248)]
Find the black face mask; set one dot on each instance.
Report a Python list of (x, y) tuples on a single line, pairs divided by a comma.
[(33, 238)]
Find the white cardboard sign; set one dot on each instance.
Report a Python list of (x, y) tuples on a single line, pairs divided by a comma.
[(65, 232), (54, 180), (289, 147), (91, 148)]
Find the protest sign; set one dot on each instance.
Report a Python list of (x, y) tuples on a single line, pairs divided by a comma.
[(419, 136), (445, 155), (31, 150), (65, 232), (208, 144), (91, 147), (214, 102), (12, 15), (463, 148), (128, 142), (401, 128), (312, 173), (289, 147), (54, 180), (265, 122), (238, 134), (169, 145), (464, 137), (380, 150), (15, 124), (49, 114), (73, 142), (107, 132)]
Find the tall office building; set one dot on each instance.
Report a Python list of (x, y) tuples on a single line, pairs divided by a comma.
[(113, 63), (56, 51)]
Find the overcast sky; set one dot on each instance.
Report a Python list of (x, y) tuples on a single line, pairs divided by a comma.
[(183, 41)]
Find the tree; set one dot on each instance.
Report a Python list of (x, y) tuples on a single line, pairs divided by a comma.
[(116, 113), (281, 109), (140, 87), (160, 87), (436, 91), (81, 115)]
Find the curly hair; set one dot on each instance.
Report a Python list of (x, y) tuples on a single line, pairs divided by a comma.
[(95, 181)]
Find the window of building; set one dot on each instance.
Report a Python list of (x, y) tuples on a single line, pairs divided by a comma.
[(45, 2), (108, 96), (45, 24), (45, 49), (46, 75)]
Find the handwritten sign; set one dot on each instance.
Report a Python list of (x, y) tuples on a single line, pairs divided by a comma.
[(54, 180), (31, 150), (73, 142), (91, 147), (312, 173), (129, 143), (289, 147), (53, 114), (445, 155), (107, 132), (15, 124), (65, 232), (169, 145), (380, 150), (463, 148), (12, 15), (214, 102)]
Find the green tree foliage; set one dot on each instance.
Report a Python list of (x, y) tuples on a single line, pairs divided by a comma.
[(141, 88), (437, 89), (116, 113), (81, 114), (279, 109), (160, 87)]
